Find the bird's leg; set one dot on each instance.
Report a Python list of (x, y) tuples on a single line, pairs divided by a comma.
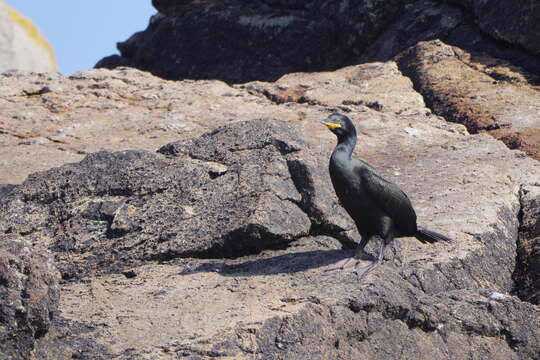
[(387, 231), (360, 252), (353, 261), (362, 272)]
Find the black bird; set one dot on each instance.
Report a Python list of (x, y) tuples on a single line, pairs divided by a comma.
[(377, 206)]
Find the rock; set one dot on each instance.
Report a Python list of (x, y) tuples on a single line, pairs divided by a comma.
[(230, 225), (354, 85), (345, 32), (113, 110), (5, 189), (169, 218), (22, 46), (130, 109), (484, 94), (279, 37), (420, 21), (515, 25), (497, 296), (281, 305), (165, 5), (528, 268), (454, 25), (233, 191), (29, 296)]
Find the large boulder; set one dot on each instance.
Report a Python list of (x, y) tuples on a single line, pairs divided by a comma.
[(29, 295), (22, 46)]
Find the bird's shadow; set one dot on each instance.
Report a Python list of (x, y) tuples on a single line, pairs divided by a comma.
[(281, 264)]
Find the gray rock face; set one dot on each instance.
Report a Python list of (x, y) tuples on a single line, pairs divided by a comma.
[(216, 245), (29, 295), (241, 215), (22, 46)]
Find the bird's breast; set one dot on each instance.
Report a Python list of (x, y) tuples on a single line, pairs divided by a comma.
[(348, 187)]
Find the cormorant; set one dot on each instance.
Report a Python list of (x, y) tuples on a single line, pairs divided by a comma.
[(377, 206)]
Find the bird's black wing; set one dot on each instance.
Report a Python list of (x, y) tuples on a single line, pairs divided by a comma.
[(389, 197)]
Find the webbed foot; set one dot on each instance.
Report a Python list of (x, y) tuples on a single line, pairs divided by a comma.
[(362, 271), (359, 260), (361, 263)]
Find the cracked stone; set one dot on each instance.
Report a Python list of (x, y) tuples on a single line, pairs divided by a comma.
[(29, 296), (114, 208), (448, 77)]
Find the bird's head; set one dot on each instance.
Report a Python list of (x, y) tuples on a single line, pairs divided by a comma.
[(340, 125)]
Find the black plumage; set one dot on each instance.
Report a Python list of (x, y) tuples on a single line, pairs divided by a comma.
[(378, 207)]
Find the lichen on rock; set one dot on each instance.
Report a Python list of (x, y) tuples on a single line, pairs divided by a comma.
[(22, 45)]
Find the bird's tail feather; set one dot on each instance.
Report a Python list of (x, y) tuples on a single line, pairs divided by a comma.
[(425, 235)]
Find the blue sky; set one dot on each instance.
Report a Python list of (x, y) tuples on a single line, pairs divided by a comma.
[(83, 31)]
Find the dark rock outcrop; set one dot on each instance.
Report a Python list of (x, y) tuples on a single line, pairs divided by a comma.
[(236, 190), (527, 273), (508, 22), (29, 295), (239, 41), (199, 39), (454, 25)]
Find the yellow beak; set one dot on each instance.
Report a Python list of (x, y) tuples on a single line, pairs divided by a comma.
[(332, 125)]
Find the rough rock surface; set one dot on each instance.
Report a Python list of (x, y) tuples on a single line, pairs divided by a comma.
[(50, 119), (287, 36), (29, 295), (484, 94), (513, 24), (428, 20), (528, 270), (278, 37), (236, 193), (379, 86), (497, 51), (22, 46), (146, 278), (216, 244)]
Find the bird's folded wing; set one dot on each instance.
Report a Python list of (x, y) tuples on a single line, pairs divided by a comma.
[(390, 198)]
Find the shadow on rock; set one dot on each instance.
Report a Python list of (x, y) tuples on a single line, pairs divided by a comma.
[(281, 264)]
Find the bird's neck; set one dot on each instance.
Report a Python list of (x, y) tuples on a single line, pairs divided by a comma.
[(345, 146)]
